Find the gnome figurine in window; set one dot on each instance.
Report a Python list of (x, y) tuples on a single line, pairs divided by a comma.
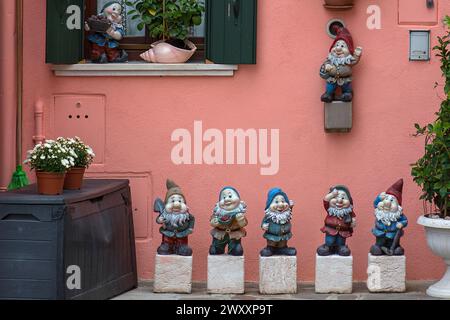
[(337, 69), (176, 220), (277, 224), (390, 222), (228, 221), (106, 32), (339, 222)]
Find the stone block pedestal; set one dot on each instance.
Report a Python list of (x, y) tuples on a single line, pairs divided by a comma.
[(173, 274), (386, 273), (278, 275), (226, 274), (338, 116), (334, 274)]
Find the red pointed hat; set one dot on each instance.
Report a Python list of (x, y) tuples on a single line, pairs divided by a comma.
[(344, 34), (396, 190)]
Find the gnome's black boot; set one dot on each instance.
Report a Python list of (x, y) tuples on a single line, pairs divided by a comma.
[(286, 251), (237, 251), (103, 59), (344, 251), (399, 251), (184, 250), (347, 97), (214, 251), (326, 97), (324, 251), (376, 250), (164, 249), (267, 251), (122, 58)]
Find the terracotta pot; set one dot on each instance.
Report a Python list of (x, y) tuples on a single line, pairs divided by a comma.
[(339, 4), (438, 239), (74, 179), (162, 52), (50, 183)]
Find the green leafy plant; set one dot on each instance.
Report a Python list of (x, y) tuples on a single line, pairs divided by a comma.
[(167, 19), (50, 156), (432, 171), (82, 153)]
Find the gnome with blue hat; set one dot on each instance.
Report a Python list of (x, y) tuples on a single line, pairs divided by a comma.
[(106, 32), (277, 224), (228, 221)]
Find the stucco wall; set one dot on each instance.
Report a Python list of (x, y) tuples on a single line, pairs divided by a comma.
[(281, 92)]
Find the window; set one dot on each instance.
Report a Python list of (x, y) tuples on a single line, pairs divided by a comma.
[(135, 41)]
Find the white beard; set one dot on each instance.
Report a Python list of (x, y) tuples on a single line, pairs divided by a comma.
[(279, 217), (340, 61), (175, 219), (219, 212), (340, 213), (387, 217)]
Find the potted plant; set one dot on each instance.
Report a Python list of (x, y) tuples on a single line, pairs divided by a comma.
[(83, 155), (432, 174), (170, 21), (339, 4), (50, 160)]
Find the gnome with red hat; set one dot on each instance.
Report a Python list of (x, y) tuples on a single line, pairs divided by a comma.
[(390, 222), (177, 223), (339, 222), (337, 69)]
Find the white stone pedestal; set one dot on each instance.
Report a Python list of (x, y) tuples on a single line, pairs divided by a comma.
[(386, 274), (226, 274), (334, 274), (278, 275), (173, 274)]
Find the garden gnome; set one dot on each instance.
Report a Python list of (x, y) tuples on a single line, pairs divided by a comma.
[(228, 220), (337, 69), (390, 222), (177, 223), (105, 44), (339, 222), (277, 224)]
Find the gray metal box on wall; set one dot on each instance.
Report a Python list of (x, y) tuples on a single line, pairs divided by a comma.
[(43, 239), (338, 116)]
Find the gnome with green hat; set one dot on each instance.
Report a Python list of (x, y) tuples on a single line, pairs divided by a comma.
[(339, 222), (177, 223), (105, 40)]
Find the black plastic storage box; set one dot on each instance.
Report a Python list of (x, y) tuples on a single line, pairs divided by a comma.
[(47, 241)]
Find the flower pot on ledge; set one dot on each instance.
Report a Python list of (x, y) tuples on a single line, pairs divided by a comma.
[(74, 179), (339, 4), (438, 239), (50, 183), (163, 52)]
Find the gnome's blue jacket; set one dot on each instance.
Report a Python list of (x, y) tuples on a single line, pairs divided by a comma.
[(277, 232), (384, 231)]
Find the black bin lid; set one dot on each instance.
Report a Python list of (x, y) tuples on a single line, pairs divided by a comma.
[(92, 188)]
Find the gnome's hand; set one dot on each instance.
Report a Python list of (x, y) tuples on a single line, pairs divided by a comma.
[(399, 226), (265, 227), (358, 51), (353, 225), (291, 203), (86, 27), (161, 220)]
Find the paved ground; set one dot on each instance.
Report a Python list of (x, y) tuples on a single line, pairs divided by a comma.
[(415, 291)]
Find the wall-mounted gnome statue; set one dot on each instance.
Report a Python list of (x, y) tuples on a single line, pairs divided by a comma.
[(176, 220), (228, 221), (106, 31), (337, 69), (277, 224), (390, 222), (339, 222)]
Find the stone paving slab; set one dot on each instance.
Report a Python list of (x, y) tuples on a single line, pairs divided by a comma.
[(415, 290)]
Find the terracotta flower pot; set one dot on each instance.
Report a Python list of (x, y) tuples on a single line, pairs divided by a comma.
[(162, 52), (339, 4), (74, 179), (50, 183)]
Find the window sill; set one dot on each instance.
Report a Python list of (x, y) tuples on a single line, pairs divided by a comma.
[(143, 69)]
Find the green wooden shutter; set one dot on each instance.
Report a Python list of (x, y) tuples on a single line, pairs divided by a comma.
[(65, 31), (231, 31)]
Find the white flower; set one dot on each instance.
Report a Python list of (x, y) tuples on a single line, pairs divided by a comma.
[(47, 145), (43, 157), (34, 157)]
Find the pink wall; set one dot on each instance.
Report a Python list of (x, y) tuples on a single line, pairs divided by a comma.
[(282, 91)]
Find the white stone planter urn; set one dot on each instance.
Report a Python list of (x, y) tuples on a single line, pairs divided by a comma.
[(438, 238)]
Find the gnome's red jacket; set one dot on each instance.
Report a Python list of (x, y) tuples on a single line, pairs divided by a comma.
[(336, 226)]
